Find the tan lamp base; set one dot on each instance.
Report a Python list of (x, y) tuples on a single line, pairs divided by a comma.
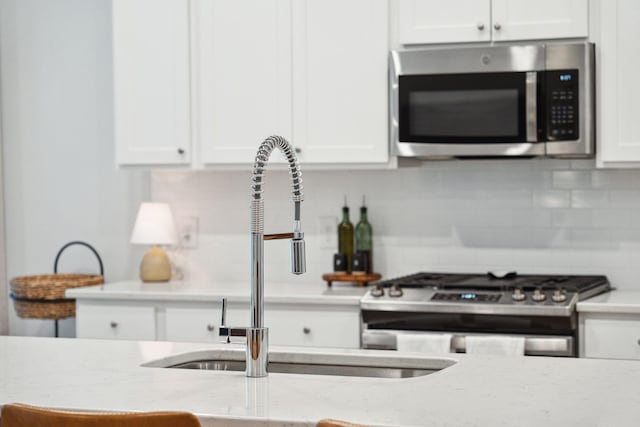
[(155, 266)]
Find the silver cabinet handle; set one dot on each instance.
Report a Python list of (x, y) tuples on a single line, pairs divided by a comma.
[(113, 324), (211, 327), (497, 26), (480, 26), (180, 151), (306, 330)]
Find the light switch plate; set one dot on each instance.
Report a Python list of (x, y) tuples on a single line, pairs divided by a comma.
[(328, 230), (188, 232)]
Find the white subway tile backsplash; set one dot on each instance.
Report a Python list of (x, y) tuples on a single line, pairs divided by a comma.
[(625, 198), (571, 218), (531, 217), (611, 218), (552, 198), (578, 164), (589, 198), (626, 235), (505, 198), (614, 179), (536, 216), (572, 179), (584, 238)]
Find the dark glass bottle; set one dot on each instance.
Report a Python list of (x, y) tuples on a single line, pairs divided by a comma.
[(363, 239), (345, 237)]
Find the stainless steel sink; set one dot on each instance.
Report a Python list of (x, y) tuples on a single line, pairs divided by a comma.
[(348, 365)]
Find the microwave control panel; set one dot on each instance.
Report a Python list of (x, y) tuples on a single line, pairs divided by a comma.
[(562, 105)]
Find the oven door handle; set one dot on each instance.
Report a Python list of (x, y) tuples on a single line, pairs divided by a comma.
[(531, 100), (534, 345)]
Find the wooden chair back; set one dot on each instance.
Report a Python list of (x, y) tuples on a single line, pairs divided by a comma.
[(18, 415)]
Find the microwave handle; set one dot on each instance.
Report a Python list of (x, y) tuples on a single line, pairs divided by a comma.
[(531, 97)]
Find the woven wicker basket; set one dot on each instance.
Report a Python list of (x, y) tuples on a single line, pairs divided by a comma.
[(43, 296)]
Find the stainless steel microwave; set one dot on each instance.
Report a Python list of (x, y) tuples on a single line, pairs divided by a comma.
[(496, 101)]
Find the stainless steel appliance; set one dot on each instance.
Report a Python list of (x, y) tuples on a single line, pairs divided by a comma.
[(540, 308), (494, 101)]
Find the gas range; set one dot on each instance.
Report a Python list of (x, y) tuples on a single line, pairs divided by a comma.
[(491, 293), (540, 309)]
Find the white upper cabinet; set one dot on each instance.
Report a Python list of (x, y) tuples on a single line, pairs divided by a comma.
[(340, 84), (618, 86), (539, 19), (236, 72), (437, 21), (455, 21), (151, 82), (243, 76)]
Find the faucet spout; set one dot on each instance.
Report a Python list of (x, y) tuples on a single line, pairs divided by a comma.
[(257, 334)]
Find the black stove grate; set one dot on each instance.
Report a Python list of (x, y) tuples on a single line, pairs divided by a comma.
[(492, 282)]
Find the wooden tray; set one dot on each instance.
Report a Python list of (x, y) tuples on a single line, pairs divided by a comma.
[(356, 279)]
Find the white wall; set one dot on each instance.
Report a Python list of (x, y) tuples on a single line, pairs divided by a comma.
[(59, 175), (546, 216), (4, 301)]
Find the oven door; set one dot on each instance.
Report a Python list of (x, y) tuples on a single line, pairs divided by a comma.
[(466, 102), (534, 345)]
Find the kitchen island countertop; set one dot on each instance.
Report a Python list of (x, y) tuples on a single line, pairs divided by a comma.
[(476, 391)]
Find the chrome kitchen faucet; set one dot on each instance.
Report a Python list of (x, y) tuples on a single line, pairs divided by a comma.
[(257, 336)]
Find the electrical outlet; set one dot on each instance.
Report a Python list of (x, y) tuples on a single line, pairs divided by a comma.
[(188, 232), (328, 226)]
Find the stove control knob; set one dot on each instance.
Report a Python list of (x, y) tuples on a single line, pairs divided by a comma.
[(518, 295), (538, 296), (395, 291), (378, 291), (559, 295)]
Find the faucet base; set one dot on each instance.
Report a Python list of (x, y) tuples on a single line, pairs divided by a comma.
[(257, 352)]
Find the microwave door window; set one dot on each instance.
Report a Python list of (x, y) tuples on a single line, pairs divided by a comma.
[(463, 108), (464, 113)]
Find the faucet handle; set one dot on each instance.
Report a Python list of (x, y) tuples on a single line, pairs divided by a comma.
[(223, 321), (229, 334)]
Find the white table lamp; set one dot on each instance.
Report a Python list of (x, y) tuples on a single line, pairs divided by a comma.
[(155, 226)]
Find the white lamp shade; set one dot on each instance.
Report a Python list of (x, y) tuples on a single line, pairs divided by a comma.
[(154, 225)]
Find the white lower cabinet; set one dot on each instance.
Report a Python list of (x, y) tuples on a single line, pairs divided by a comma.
[(314, 326), (192, 324), (109, 321), (292, 324), (610, 336)]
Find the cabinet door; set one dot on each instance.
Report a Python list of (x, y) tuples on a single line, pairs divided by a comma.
[(340, 80), (193, 324), (115, 321), (618, 87), (151, 81), (436, 21), (244, 76), (311, 326), (540, 19), (615, 338)]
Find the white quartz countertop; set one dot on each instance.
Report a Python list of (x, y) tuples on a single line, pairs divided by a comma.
[(476, 391), (186, 291), (619, 302)]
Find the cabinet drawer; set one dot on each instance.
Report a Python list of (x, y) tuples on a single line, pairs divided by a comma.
[(192, 324), (313, 327), (612, 338), (115, 322)]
